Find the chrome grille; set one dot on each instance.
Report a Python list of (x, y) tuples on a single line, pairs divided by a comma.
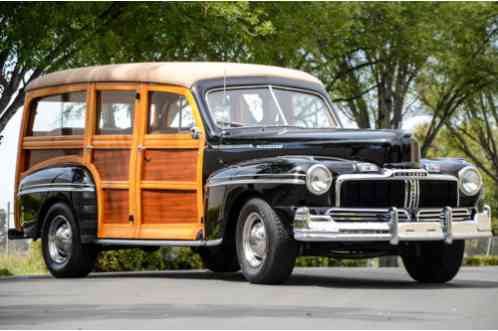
[(382, 215), (436, 215), (365, 215)]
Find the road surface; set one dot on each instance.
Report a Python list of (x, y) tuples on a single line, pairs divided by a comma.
[(316, 298)]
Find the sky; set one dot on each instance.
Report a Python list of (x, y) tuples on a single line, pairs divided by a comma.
[(8, 153)]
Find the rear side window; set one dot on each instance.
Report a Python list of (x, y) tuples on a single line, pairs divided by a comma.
[(59, 115), (115, 111), (169, 112)]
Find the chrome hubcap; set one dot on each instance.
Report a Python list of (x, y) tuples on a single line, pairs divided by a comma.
[(254, 240), (60, 239)]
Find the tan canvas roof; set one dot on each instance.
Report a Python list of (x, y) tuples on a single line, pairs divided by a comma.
[(175, 73)]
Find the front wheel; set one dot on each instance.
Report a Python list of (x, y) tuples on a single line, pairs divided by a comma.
[(63, 252), (266, 251), (433, 262)]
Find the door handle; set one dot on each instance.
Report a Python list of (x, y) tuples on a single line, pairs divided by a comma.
[(196, 133)]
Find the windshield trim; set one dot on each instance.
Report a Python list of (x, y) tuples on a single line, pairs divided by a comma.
[(330, 109)]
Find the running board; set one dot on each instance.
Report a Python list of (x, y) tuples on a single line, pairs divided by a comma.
[(136, 242)]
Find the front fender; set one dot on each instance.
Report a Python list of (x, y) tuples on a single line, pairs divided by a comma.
[(281, 181)]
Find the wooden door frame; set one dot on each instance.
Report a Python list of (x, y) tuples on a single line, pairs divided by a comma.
[(94, 141), (181, 141)]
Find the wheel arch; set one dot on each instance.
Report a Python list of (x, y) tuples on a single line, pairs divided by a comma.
[(71, 183)]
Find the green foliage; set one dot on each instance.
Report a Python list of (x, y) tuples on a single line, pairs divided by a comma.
[(321, 261), (5, 272), (136, 259), (478, 261), (30, 263)]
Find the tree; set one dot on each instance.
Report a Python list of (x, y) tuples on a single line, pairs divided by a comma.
[(463, 67), (474, 133), (41, 37), (367, 55)]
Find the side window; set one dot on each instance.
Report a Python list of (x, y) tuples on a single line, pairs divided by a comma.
[(115, 111), (169, 112), (59, 115)]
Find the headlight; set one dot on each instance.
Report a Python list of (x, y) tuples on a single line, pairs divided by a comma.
[(318, 179), (470, 180)]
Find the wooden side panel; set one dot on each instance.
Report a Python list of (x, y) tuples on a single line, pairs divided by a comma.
[(170, 165), (112, 164), (169, 207), (116, 206)]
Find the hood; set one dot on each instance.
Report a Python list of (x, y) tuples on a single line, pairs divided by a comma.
[(382, 147)]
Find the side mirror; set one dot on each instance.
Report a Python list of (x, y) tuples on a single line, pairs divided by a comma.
[(196, 133)]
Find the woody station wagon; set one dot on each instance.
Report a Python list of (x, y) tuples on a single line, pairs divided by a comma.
[(247, 164)]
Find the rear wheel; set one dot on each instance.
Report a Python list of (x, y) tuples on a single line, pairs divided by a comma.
[(265, 248), (63, 252), (433, 262)]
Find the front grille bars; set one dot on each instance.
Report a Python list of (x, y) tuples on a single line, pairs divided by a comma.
[(411, 177)]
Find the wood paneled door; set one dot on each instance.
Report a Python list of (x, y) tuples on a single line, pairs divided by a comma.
[(110, 148), (170, 143)]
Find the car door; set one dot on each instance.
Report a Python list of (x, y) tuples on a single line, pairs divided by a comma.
[(110, 150), (169, 147)]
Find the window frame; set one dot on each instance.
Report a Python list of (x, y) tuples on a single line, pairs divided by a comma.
[(177, 134), (33, 101), (168, 131), (136, 108), (333, 116)]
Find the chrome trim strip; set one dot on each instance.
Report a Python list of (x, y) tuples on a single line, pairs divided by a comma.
[(64, 189), (260, 175), (258, 181), (232, 146), (137, 242), (56, 187)]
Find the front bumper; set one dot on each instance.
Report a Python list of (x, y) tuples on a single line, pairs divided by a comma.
[(392, 225)]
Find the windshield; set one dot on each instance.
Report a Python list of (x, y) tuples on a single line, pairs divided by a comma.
[(268, 106)]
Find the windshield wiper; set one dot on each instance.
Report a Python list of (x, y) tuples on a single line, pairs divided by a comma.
[(231, 124)]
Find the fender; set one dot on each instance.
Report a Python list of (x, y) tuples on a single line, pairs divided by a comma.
[(280, 180), (72, 184)]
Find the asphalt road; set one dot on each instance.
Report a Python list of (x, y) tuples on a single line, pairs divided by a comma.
[(345, 298)]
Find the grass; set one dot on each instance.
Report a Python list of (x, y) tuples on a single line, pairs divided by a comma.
[(480, 261), (29, 263)]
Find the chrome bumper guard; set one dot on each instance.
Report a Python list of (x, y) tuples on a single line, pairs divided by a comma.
[(392, 225)]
